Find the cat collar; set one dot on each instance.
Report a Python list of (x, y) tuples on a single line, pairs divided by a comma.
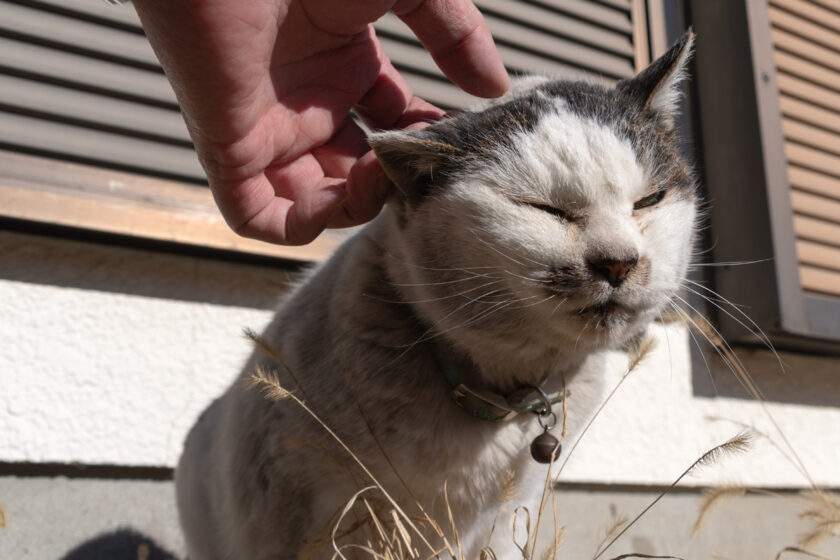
[(493, 407)]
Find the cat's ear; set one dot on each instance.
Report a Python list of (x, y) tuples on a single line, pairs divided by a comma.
[(412, 160), (658, 86)]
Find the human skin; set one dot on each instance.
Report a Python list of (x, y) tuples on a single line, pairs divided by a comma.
[(266, 87)]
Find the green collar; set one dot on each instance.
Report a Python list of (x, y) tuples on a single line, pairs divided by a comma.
[(493, 407)]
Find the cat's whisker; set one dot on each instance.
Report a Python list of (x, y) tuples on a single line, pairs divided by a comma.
[(736, 367), (432, 328), (496, 306), (697, 344), (556, 307), (444, 283), (692, 323), (668, 343), (534, 303), (730, 263), (527, 278), (753, 326), (502, 253), (441, 298), (414, 264)]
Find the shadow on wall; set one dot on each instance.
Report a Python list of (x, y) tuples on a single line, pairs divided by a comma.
[(785, 377), (65, 263), (122, 544)]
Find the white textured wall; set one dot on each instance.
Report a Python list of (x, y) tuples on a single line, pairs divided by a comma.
[(108, 354)]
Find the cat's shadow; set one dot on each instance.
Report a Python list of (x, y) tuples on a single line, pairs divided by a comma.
[(122, 544)]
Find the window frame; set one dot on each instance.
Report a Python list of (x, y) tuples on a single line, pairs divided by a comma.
[(61, 193)]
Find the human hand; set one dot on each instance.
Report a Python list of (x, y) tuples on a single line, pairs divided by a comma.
[(266, 87)]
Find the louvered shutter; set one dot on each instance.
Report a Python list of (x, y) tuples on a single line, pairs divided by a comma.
[(572, 38), (768, 101), (79, 82), (84, 105), (806, 48)]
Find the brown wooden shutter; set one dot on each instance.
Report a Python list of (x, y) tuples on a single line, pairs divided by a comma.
[(806, 49)]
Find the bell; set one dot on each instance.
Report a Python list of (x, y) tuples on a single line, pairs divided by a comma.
[(543, 446)]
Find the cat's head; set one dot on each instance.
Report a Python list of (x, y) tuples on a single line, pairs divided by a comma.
[(562, 213)]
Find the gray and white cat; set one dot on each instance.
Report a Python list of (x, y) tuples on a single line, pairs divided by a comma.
[(525, 239)]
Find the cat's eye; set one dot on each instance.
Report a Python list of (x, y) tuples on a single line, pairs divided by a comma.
[(649, 200), (551, 210)]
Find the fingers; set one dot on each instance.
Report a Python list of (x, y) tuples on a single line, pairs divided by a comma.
[(367, 189), (387, 102), (343, 150), (367, 185), (456, 35), (289, 205)]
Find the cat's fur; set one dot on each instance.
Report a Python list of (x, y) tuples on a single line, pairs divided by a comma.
[(504, 252)]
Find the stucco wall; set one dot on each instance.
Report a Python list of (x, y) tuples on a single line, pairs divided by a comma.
[(109, 354)]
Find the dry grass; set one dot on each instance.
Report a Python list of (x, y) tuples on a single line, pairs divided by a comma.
[(394, 535), (383, 530), (821, 508)]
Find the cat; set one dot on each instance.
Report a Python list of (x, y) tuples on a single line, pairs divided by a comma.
[(523, 241)]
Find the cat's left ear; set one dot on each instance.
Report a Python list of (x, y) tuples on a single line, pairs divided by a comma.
[(657, 87), (413, 160)]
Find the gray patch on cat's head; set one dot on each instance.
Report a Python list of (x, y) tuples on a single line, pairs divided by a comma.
[(639, 110), (420, 161)]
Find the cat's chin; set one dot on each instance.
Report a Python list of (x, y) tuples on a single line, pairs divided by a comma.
[(610, 322)]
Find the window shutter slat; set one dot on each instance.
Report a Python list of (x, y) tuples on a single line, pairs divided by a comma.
[(804, 28), (123, 14), (811, 136), (813, 159), (75, 33), (613, 17), (823, 256), (816, 206), (53, 65), (819, 280), (805, 49), (820, 96), (811, 12), (85, 144), (56, 102), (809, 180), (814, 229), (809, 113), (814, 73), (580, 30)]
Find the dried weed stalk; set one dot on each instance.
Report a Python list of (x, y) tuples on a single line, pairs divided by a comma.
[(738, 444), (800, 551), (825, 508)]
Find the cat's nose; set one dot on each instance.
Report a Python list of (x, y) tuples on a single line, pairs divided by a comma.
[(614, 270)]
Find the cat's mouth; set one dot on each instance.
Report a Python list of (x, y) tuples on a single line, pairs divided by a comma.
[(606, 311)]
